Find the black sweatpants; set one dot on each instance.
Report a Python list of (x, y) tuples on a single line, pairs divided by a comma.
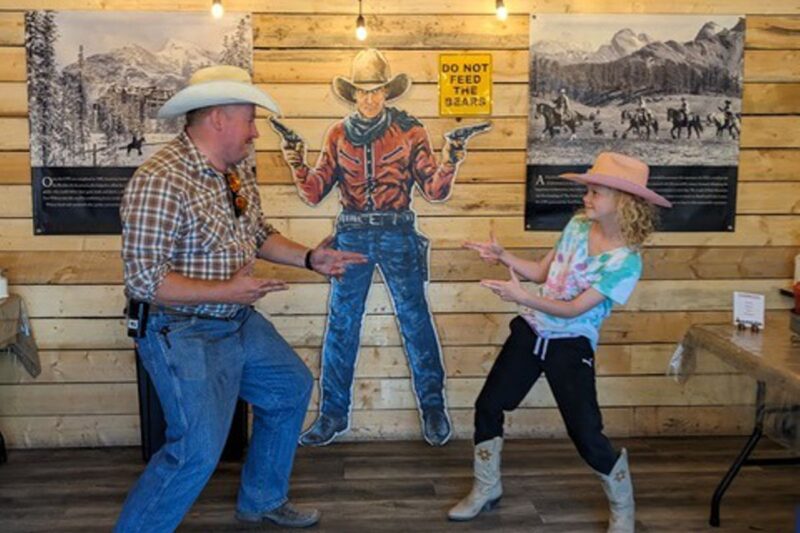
[(568, 365)]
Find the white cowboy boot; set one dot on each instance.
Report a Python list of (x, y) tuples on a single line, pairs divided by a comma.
[(487, 487), (619, 491)]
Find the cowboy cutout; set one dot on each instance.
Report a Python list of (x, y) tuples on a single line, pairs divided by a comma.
[(377, 156)]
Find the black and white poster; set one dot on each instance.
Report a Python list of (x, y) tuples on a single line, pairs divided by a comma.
[(663, 88), (95, 83)]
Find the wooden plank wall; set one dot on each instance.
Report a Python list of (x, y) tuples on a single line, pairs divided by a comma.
[(86, 395)]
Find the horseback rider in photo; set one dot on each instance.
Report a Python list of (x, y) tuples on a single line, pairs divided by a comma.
[(562, 105), (641, 121), (726, 120), (681, 118), (684, 108), (727, 113), (643, 111), (137, 139)]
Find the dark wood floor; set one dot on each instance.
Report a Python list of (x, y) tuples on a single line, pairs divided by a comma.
[(408, 486)]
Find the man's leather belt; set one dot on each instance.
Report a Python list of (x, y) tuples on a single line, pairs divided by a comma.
[(175, 312)]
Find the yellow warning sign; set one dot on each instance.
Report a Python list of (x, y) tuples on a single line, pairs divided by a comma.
[(465, 84)]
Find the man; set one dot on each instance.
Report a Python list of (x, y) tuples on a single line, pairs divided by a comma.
[(684, 108), (562, 105), (192, 229), (727, 113), (644, 112), (377, 156)]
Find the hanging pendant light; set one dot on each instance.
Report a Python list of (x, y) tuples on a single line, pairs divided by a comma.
[(502, 12), (217, 10), (361, 25)]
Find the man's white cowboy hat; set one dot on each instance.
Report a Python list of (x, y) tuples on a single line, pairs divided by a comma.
[(370, 71), (620, 172), (217, 85)]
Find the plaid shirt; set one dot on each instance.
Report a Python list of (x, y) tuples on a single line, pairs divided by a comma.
[(177, 216)]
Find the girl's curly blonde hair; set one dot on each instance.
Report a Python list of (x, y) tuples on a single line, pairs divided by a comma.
[(637, 219)]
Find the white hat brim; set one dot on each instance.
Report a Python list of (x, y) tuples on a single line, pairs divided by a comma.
[(216, 93)]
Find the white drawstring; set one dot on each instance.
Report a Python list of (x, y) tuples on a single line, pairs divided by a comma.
[(540, 348)]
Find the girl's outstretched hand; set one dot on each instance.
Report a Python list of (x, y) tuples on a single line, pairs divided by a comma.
[(510, 291), (490, 251)]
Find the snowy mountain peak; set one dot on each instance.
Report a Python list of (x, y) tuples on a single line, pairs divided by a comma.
[(708, 31), (626, 42), (624, 33), (173, 45), (134, 52), (184, 57), (566, 53), (623, 43), (552, 47)]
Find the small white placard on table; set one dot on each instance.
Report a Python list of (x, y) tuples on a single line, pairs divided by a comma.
[(748, 308)]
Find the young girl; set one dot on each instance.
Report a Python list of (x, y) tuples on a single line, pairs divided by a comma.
[(595, 264)]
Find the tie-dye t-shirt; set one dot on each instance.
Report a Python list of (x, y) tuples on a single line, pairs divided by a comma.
[(613, 274)]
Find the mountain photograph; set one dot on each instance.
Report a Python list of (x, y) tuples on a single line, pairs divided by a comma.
[(667, 87), (96, 83)]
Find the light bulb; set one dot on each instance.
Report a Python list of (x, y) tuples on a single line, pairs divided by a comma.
[(361, 28), (502, 12), (217, 10)]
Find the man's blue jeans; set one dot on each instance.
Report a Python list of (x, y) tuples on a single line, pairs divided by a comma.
[(199, 367), (401, 255)]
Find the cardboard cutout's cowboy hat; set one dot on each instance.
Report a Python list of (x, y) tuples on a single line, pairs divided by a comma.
[(370, 71), (217, 85)]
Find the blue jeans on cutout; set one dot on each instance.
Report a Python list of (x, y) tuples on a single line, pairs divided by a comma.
[(199, 367), (401, 255)]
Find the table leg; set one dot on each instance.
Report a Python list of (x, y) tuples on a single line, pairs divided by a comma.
[(3, 456), (758, 430)]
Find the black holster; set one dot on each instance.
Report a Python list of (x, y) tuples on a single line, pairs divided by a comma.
[(136, 318)]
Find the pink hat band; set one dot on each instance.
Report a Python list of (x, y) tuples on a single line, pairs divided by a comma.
[(620, 172)]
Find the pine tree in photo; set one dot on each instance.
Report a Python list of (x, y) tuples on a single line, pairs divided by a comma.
[(76, 129), (68, 125), (82, 104), (237, 46), (244, 38), (41, 33)]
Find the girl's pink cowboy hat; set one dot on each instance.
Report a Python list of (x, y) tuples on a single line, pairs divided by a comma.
[(620, 172)]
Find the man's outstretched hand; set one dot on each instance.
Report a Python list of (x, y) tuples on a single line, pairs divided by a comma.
[(329, 262), (243, 288)]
